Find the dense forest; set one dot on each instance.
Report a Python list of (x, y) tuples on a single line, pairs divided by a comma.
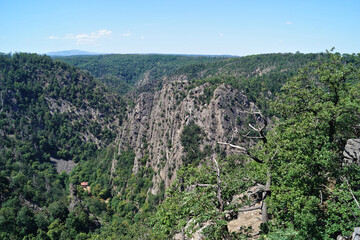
[(72, 109), (259, 76), (123, 72)]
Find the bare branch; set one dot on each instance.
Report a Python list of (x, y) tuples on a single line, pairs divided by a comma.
[(202, 185), (242, 210), (250, 112), (246, 135), (249, 209), (274, 154), (261, 129), (233, 146), (218, 180), (321, 198), (255, 129), (243, 150), (251, 137), (232, 136)]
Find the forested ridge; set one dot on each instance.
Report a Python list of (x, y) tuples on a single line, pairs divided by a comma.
[(304, 108), (123, 72), (259, 76), (46, 113)]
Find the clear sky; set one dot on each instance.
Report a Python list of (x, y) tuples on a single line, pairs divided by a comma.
[(235, 27)]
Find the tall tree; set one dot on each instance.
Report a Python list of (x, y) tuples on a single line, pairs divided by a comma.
[(319, 110)]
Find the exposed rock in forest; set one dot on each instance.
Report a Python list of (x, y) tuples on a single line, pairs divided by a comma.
[(63, 165), (155, 125), (356, 234), (248, 221), (352, 152)]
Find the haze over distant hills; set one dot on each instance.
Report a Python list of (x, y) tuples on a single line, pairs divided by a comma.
[(67, 53), (75, 52)]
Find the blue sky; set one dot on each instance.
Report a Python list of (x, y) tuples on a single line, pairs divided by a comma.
[(180, 26)]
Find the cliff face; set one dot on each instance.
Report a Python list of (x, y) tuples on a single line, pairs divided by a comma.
[(154, 126)]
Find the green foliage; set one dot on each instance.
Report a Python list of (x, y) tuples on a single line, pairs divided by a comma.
[(282, 234), (52, 110), (191, 138), (258, 76), (58, 210), (189, 207), (127, 207), (35, 91), (311, 191), (319, 111), (122, 72), (42, 102)]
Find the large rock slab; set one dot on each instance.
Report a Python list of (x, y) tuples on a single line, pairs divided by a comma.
[(352, 152), (356, 234)]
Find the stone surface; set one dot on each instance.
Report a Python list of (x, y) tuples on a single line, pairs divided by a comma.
[(159, 118), (248, 219), (63, 165), (352, 152), (356, 234)]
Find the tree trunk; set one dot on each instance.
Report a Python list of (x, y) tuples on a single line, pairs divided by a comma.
[(218, 187), (264, 212)]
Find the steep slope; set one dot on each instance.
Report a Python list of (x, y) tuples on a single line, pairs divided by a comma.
[(56, 102), (307, 178), (49, 112), (209, 100), (127, 152), (162, 125)]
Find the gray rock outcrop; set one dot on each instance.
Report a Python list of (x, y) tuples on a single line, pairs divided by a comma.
[(154, 126), (356, 234), (63, 165), (352, 152)]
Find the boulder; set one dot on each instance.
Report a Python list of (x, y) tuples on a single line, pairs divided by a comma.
[(356, 234), (352, 152)]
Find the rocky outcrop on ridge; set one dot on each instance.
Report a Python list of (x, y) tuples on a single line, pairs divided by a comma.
[(155, 124)]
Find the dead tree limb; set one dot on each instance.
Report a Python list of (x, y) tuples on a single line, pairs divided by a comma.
[(204, 185), (242, 210), (261, 135), (243, 150), (261, 129), (234, 146), (248, 209), (218, 187), (264, 212)]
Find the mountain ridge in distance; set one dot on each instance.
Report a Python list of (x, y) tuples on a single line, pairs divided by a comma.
[(73, 52)]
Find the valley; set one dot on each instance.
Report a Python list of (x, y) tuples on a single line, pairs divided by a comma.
[(152, 136)]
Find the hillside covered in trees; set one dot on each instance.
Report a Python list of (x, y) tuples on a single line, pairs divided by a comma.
[(169, 146), (123, 72)]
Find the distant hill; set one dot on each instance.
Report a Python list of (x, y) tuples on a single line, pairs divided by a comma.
[(126, 72), (70, 53), (123, 72)]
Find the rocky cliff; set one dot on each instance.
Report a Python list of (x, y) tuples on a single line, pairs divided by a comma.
[(154, 126)]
